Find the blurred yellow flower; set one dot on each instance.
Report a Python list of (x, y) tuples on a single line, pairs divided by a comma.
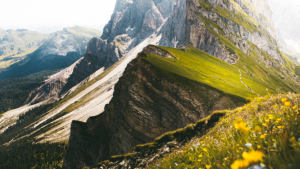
[(245, 131), (239, 164), (267, 120), (297, 112), (279, 119), (258, 147), (199, 160), (204, 149), (287, 104), (293, 139), (294, 107), (200, 156), (284, 100), (262, 136), (253, 156), (264, 124), (239, 124), (279, 127), (257, 129), (208, 166)]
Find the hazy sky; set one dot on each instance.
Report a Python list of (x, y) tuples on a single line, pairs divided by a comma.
[(32, 14)]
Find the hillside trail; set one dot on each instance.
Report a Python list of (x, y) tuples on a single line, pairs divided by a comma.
[(246, 84)]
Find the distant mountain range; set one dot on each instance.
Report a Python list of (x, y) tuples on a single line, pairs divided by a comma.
[(27, 58), (33, 52)]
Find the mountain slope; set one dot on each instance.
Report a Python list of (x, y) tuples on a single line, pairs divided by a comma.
[(242, 47), (15, 44), (266, 124), (238, 32)]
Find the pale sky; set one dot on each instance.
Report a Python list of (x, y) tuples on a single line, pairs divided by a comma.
[(33, 14)]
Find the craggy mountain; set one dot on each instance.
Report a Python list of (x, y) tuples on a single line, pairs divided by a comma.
[(286, 15), (55, 52), (58, 51), (160, 65)]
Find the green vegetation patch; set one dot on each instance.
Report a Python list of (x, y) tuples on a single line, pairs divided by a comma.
[(201, 67), (36, 156), (263, 133)]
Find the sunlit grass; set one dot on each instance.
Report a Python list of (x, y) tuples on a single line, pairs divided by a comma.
[(264, 133)]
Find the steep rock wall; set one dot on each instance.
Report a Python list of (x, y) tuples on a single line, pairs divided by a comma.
[(131, 22), (185, 27), (144, 106)]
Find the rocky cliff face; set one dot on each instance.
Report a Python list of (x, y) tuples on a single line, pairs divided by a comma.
[(131, 22), (185, 27), (144, 106)]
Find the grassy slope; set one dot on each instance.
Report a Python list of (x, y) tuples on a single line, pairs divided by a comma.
[(274, 131), (199, 66)]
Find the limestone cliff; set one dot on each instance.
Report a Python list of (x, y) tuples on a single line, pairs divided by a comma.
[(131, 22), (144, 106), (241, 21)]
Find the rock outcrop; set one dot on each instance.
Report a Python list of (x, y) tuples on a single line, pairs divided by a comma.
[(185, 27), (131, 22), (144, 106)]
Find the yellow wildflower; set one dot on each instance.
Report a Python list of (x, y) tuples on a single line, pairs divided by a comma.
[(253, 156), (287, 104), (271, 117), (294, 107), (239, 164), (279, 119), (208, 166), (262, 136), (257, 129), (279, 127), (297, 112), (292, 139), (267, 120), (204, 149), (284, 100), (199, 160), (258, 147), (200, 156), (239, 124), (245, 131), (264, 124)]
